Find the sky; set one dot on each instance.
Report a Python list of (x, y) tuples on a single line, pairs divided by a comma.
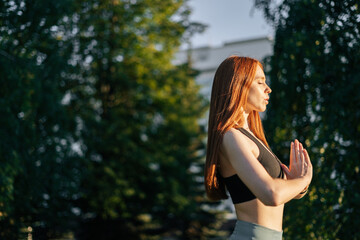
[(227, 20)]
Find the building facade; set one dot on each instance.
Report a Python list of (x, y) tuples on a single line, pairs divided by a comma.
[(207, 59)]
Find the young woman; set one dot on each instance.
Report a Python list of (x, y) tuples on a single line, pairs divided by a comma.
[(238, 155)]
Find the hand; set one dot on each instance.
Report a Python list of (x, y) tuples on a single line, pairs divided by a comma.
[(300, 165)]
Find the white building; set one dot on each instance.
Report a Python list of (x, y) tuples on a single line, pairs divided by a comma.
[(207, 59)]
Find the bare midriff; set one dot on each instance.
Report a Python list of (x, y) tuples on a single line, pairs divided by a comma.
[(255, 211)]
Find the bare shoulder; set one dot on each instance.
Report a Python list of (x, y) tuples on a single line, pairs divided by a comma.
[(234, 137), (236, 141)]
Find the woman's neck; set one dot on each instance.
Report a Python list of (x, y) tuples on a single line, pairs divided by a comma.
[(246, 125)]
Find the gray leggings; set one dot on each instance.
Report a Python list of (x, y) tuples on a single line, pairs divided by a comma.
[(252, 231)]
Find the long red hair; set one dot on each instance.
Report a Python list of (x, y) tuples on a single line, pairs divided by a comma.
[(228, 100)]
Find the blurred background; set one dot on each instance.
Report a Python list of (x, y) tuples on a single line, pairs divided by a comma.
[(104, 104)]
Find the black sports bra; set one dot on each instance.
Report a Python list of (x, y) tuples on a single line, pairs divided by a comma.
[(239, 192)]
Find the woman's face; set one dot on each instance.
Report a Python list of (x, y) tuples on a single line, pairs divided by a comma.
[(259, 91)]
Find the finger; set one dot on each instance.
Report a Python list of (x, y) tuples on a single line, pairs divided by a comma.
[(285, 169), (292, 153), (303, 162), (295, 151), (306, 155), (297, 148), (309, 169), (307, 158), (306, 162), (301, 152)]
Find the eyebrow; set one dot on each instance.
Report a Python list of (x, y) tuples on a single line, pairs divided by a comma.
[(260, 78)]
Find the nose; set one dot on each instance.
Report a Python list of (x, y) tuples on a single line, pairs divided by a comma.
[(268, 89)]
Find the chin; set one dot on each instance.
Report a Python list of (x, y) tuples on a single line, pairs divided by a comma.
[(262, 109), (257, 109)]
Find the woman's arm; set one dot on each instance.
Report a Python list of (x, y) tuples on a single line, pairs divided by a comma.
[(270, 191), (302, 193)]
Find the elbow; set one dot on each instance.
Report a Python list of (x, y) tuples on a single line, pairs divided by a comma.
[(273, 198)]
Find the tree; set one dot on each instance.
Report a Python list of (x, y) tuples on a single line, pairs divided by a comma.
[(139, 128), (314, 76), (100, 132), (39, 174)]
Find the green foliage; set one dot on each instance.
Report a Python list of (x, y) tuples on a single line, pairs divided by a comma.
[(140, 133), (38, 174), (315, 81), (99, 131)]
